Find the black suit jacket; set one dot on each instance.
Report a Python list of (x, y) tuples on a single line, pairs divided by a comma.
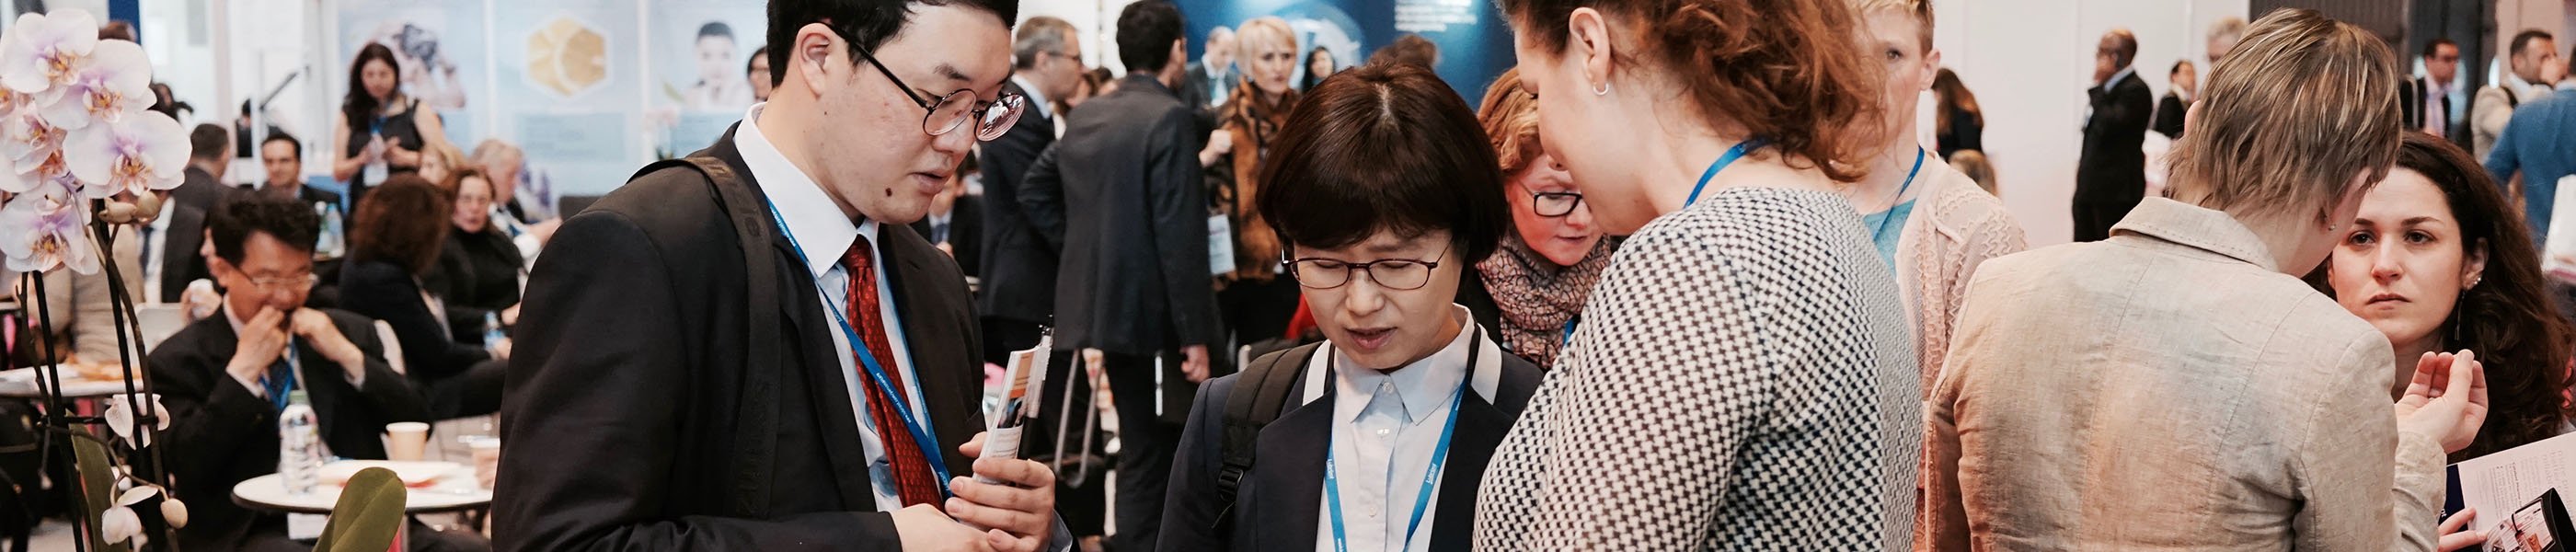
[(308, 195), (1019, 268), (385, 291), (2113, 168), (1121, 197), (180, 262), (2410, 103), (626, 389), (965, 232), (222, 434), (199, 189), (2169, 115), (1201, 97), (1275, 507)]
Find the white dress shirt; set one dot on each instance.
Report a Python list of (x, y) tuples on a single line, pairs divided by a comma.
[(156, 238), (1385, 429), (824, 232), (2437, 107), (1037, 98)]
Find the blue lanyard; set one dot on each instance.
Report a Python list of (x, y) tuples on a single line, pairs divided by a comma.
[(1732, 154), (922, 437), (1430, 477), (1900, 193)]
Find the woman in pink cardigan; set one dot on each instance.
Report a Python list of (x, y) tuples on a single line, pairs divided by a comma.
[(1931, 223)]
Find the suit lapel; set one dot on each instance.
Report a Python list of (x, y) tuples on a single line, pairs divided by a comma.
[(1480, 431), (931, 337), (827, 388), (1290, 477)]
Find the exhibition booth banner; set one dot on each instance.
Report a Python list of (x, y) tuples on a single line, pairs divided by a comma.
[(1475, 40)]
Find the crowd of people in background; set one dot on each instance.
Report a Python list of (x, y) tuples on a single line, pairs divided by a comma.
[(1669, 287)]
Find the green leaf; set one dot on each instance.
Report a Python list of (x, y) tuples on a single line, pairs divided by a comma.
[(97, 486), (368, 516)]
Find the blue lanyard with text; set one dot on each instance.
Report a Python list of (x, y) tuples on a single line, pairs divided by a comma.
[(922, 437), (1430, 477), (1732, 154), (1900, 193)]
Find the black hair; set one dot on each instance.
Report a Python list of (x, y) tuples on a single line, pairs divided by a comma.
[(359, 107), (1146, 31), (715, 28), (208, 143), (289, 139), (2177, 68), (2436, 45), (283, 218), (863, 23), (2523, 40), (754, 61), (1385, 147)]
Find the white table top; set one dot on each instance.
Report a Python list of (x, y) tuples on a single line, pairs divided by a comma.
[(455, 490), (21, 384)]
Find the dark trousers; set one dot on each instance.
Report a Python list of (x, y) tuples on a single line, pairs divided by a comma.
[(2094, 219), (1146, 443), (1254, 312), (1082, 503)]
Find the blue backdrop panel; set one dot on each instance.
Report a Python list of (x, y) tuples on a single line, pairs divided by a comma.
[(1475, 40)]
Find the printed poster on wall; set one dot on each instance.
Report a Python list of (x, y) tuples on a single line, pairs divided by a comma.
[(569, 70), (439, 46), (701, 57)]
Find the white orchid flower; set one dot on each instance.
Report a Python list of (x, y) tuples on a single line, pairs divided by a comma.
[(42, 49), (137, 154), (120, 523), (115, 80), (30, 143), (120, 417), (44, 229)]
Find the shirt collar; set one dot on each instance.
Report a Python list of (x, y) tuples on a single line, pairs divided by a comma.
[(2196, 227), (816, 223), (1422, 385), (1037, 99), (2125, 72)]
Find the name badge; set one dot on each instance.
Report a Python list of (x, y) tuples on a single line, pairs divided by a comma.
[(1220, 245)]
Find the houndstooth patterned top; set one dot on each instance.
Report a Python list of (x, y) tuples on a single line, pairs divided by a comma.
[(1743, 380)]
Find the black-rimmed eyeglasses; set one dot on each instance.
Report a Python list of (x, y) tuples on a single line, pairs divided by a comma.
[(1553, 204), (1394, 274), (952, 111)]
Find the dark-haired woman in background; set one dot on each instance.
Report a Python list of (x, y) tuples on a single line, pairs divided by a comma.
[(1319, 64), (479, 268), (2185, 84), (2439, 261), (1959, 124), (379, 124), (1743, 376), (398, 234)]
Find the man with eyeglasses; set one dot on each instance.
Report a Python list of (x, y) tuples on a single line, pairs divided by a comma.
[(2426, 100), (749, 349), (1120, 196), (226, 378)]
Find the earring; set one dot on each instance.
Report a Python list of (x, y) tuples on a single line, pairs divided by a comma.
[(1604, 90), (2473, 281)]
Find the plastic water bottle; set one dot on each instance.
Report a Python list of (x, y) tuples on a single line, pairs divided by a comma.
[(492, 334), (328, 245), (299, 445)]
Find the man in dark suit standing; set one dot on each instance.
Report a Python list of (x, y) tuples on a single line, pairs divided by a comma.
[(283, 157), (1211, 80), (1018, 297), (750, 349), (2426, 100), (1121, 196), (226, 378), (2111, 176), (209, 154)]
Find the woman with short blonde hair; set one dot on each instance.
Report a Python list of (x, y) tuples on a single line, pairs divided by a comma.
[(1257, 303)]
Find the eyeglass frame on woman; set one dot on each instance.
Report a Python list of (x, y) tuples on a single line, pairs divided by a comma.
[(1537, 196), (1348, 268), (1011, 103)]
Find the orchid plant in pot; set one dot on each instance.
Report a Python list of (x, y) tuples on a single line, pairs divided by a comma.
[(84, 160)]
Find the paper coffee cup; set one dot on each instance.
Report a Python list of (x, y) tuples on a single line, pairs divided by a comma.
[(404, 441)]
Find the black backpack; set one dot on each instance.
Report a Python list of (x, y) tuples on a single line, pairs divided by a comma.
[(1261, 393)]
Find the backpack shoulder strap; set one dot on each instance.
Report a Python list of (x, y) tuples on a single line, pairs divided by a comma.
[(1260, 395), (755, 451)]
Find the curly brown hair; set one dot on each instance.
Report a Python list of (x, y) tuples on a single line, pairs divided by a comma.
[(2507, 318), (1785, 70), (403, 222)]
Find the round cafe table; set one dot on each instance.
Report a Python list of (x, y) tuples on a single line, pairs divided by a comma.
[(454, 491), (21, 384)]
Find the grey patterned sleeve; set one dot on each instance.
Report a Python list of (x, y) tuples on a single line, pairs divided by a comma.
[(1636, 432)]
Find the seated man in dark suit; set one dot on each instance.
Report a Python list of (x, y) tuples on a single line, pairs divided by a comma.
[(1400, 411), (226, 378)]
